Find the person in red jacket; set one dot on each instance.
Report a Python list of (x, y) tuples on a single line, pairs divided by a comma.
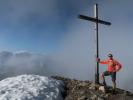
[(113, 66)]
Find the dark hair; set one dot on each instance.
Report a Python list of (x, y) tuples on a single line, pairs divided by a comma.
[(110, 55)]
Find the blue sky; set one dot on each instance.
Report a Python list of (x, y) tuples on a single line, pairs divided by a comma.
[(34, 25), (39, 25)]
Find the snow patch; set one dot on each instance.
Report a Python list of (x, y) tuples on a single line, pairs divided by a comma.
[(31, 87)]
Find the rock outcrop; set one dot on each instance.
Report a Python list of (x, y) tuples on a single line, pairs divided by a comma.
[(85, 90)]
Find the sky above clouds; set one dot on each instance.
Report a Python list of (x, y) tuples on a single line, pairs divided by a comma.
[(41, 25), (52, 27), (34, 25)]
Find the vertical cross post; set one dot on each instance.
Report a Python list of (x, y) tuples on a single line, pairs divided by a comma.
[(97, 43)]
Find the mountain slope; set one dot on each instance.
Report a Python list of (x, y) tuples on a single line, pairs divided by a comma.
[(35, 87)]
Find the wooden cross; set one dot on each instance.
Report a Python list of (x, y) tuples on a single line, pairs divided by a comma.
[(96, 21)]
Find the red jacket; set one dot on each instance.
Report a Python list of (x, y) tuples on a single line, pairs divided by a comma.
[(113, 65)]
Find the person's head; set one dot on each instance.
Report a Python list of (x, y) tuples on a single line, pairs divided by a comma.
[(110, 56)]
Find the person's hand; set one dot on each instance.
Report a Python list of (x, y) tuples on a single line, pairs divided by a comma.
[(98, 59)]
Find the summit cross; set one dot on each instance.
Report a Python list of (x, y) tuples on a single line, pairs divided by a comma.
[(97, 21)]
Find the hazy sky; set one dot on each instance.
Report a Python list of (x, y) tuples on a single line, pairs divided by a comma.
[(40, 25), (52, 27)]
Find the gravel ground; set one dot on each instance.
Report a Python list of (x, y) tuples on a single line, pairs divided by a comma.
[(86, 90)]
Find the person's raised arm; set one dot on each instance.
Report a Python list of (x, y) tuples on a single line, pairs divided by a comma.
[(102, 61)]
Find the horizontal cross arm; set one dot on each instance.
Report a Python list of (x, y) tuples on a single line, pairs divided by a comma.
[(93, 19)]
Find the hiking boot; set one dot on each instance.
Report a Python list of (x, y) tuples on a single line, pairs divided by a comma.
[(113, 91), (104, 83)]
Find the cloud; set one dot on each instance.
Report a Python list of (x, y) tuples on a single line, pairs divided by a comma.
[(22, 63)]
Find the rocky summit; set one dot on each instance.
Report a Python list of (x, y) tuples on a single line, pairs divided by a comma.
[(86, 90)]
